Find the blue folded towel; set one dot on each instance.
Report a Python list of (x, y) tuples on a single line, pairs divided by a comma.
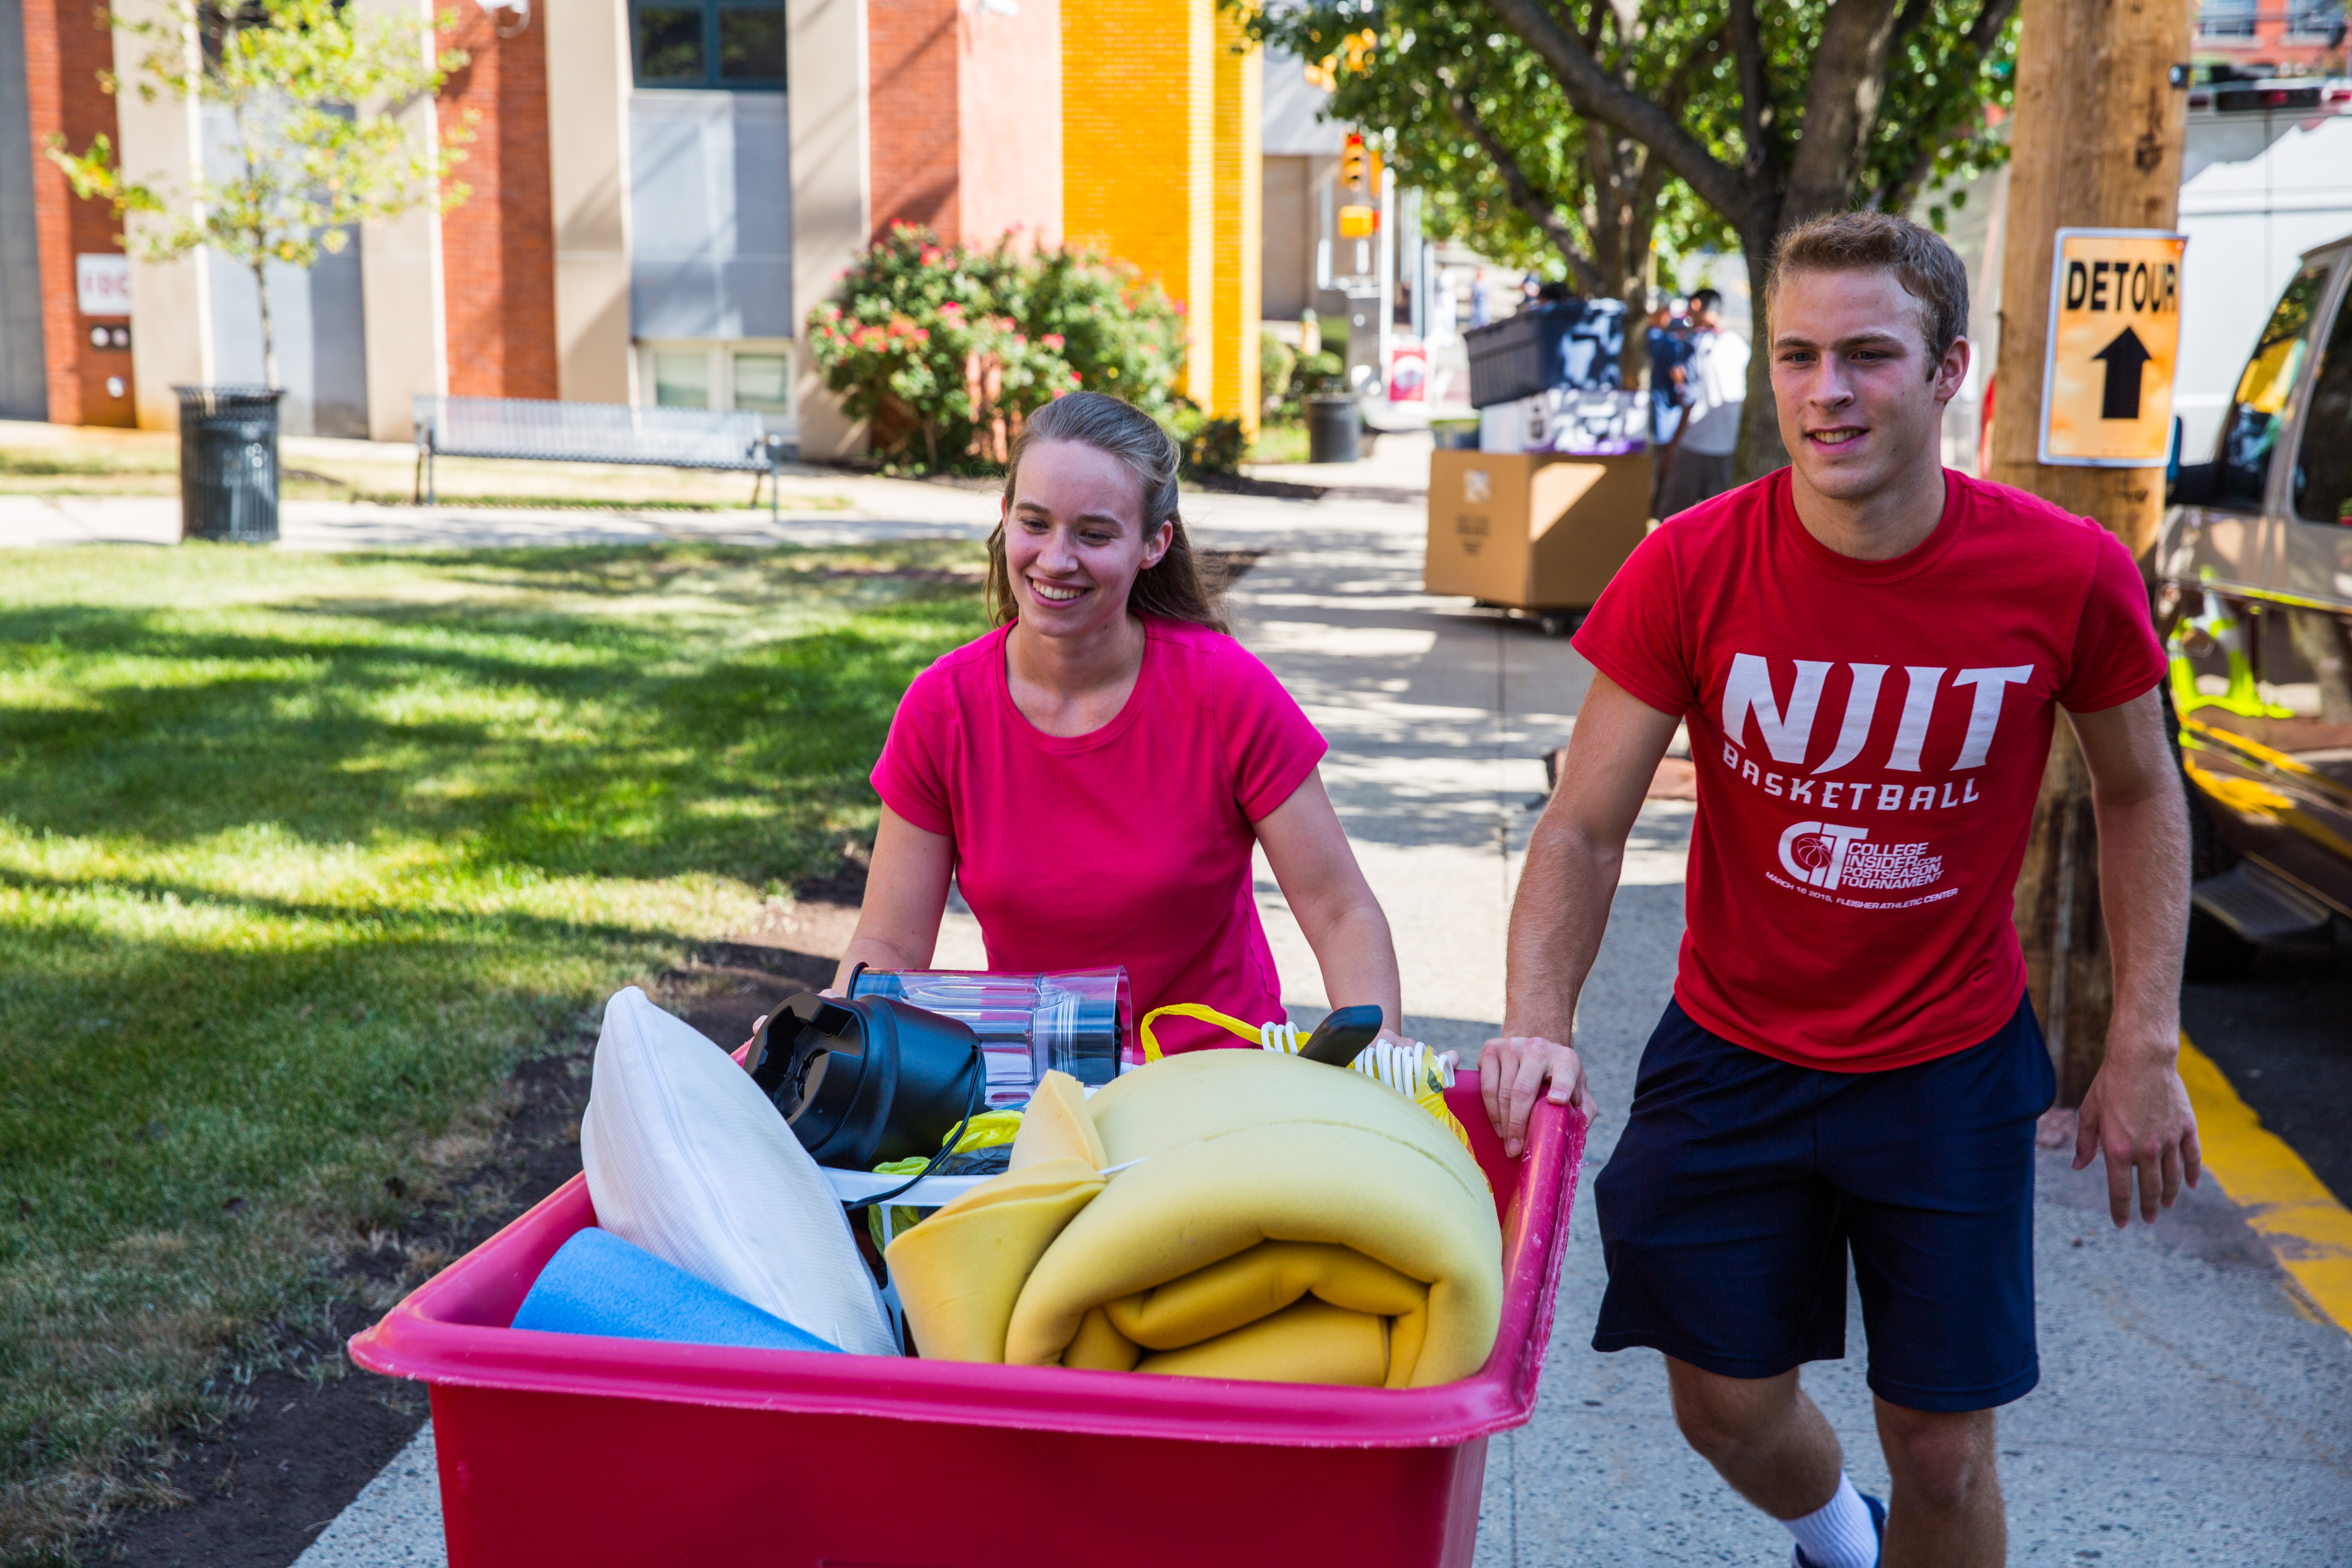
[(599, 1284)]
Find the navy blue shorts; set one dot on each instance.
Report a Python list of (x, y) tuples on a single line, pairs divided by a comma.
[(1740, 1183)]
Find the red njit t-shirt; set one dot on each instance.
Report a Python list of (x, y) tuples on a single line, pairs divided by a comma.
[(1869, 737), (1128, 846)]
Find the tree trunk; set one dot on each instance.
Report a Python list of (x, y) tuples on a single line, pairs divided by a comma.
[(268, 332), (2067, 973), (1842, 100), (1761, 451), (2098, 133)]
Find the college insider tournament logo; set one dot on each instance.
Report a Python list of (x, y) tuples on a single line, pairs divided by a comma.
[(1830, 856)]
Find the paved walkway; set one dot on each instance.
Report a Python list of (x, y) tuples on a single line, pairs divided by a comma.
[(2191, 1410)]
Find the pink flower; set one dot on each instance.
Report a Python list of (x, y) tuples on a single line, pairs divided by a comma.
[(1052, 339), (953, 308), (1076, 380), (933, 255), (1019, 342), (922, 335)]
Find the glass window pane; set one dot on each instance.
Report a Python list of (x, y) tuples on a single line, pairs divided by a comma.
[(752, 46), (2323, 462), (763, 382), (2251, 428), (682, 378), (669, 46)]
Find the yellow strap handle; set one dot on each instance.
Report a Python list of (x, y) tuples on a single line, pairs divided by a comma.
[(1249, 1032), (1430, 1095)]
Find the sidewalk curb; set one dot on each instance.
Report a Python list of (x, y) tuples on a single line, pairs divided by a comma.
[(2306, 1227)]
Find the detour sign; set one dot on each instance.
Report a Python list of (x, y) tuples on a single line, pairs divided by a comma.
[(2115, 336)]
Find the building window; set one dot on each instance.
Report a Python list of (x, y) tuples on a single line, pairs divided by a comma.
[(682, 378), (2226, 19), (2322, 19), (752, 373), (764, 381), (729, 44)]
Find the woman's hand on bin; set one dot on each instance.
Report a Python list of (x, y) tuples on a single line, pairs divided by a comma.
[(1512, 1073)]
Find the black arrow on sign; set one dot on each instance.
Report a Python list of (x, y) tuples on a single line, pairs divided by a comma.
[(2124, 356)]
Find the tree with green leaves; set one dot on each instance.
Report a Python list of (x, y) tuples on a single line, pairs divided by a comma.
[(1474, 119), (1597, 129), (308, 89), (1816, 108)]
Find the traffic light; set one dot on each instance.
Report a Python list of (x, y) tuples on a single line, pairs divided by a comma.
[(1354, 162)]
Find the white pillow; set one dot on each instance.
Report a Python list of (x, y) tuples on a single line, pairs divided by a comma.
[(687, 1159)]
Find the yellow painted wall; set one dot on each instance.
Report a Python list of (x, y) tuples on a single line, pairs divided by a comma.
[(1143, 145), (1240, 225)]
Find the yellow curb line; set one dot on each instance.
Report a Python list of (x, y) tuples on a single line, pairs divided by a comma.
[(2308, 1230)]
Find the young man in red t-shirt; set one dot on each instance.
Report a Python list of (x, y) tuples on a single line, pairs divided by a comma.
[(1870, 653)]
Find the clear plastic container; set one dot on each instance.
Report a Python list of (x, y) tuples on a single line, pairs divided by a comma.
[(1079, 1023)]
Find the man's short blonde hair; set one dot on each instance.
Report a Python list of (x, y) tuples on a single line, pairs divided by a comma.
[(1874, 242)]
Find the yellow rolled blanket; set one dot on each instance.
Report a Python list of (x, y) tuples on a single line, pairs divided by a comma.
[(1262, 1217)]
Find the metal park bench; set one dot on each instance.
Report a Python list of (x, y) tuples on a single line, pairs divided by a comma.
[(594, 433)]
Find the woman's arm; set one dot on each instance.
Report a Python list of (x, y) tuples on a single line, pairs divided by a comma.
[(906, 894), (1342, 921)]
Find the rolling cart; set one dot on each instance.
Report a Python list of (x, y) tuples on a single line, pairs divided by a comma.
[(588, 1451)]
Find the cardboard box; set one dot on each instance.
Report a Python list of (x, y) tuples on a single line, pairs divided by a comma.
[(1532, 530)]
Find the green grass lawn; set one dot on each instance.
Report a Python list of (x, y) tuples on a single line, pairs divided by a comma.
[(1279, 441), (299, 855)]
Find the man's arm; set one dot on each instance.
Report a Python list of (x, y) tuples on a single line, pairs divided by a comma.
[(2137, 1111), (1562, 907)]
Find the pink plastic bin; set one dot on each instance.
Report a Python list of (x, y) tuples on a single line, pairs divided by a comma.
[(559, 1448)]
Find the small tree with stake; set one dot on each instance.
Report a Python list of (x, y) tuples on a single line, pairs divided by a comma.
[(295, 77)]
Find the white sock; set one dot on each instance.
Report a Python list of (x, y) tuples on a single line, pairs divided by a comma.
[(1838, 1534)]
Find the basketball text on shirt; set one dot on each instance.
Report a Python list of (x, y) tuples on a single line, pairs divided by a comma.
[(1830, 856)]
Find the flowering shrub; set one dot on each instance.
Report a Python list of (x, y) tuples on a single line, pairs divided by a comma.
[(1118, 329), (945, 348)]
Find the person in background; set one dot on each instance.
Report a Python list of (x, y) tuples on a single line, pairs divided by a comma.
[(1716, 384), (1440, 315), (1094, 774), (1482, 306), (1670, 356)]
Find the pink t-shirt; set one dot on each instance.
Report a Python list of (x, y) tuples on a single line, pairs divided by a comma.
[(1130, 845), (1869, 737)]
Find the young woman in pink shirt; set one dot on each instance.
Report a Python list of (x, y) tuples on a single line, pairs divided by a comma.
[(1093, 773)]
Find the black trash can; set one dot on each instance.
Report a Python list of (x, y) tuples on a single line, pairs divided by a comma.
[(228, 463), (1335, 429)]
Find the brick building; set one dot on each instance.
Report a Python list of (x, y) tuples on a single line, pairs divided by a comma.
[(660, 189)]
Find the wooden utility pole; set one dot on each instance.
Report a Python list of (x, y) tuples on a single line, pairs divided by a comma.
[(2097, 141)]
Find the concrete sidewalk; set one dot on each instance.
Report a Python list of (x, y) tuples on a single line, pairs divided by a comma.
[(877, 509), (2190, 1411)]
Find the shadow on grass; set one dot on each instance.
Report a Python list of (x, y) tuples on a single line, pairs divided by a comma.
[(629, 755)]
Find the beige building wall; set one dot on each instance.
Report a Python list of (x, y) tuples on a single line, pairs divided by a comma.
[(588, 74), (405, 321), (171, 302), (832, 191)]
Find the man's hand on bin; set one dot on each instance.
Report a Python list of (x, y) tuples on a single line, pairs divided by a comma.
[(1512, 1072)]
